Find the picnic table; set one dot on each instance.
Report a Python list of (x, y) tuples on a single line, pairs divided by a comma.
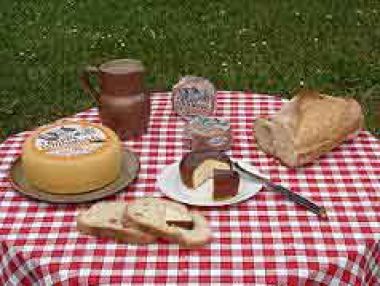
[(266, 240)]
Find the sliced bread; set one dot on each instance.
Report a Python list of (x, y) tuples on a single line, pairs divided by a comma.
[(166, 219), (107, 219)]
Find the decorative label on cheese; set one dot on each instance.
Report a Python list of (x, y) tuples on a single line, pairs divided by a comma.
[(209, 133), (218, 141), (193, 96), (205, 124), (70, 140)]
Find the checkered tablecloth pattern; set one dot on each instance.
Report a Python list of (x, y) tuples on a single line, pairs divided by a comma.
[(266, 240)]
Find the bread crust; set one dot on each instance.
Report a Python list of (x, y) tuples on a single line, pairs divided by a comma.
[(196, 237)]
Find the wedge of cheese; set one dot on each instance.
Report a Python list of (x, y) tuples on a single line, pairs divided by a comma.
[(71, 157)]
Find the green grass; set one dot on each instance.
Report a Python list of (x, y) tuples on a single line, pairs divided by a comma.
[(263, 46)]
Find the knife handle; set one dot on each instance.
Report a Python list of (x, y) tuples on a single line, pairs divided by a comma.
[(298, 199)]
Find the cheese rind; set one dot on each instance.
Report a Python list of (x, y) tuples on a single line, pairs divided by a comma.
[(71, 157), (226, 184)]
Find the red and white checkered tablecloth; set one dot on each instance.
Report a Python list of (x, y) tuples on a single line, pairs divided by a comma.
[(266, 240)]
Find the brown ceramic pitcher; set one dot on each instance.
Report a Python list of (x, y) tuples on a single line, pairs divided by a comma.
[(124, 106)]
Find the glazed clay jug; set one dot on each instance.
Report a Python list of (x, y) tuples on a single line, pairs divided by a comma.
[(124, 106)]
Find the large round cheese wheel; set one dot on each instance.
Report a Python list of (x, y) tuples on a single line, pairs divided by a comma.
[(71, 157)]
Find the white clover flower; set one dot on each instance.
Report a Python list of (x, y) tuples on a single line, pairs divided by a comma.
[(152, 33)]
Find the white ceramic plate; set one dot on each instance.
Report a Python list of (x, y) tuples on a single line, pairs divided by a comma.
[(169, 182)]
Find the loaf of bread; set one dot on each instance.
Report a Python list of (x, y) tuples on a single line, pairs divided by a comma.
[(308, 126)]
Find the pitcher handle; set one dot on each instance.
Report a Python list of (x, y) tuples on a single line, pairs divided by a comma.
[(85, 80)]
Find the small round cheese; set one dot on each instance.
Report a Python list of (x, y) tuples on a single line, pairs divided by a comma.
[(71, 157), (198, 166)]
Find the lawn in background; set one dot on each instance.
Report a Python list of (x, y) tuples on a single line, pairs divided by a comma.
[(262, 46)]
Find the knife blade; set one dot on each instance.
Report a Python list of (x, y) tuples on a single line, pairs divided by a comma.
[(292, 196)]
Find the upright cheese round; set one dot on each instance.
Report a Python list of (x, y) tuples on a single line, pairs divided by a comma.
[(71, 157)]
